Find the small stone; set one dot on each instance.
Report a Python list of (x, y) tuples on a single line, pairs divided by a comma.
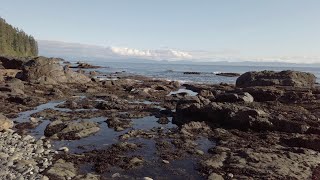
[(215, 176), (9, 163), (34, 120), (230, 175), (136, 161), (65, 149), (118, 128), (40, 150), (147, 178), (116, 175), (199, 152), (11, 150), (44, 178), (27, 138), (165, 161)]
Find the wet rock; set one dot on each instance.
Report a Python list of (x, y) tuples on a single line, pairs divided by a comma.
[(56, 92), (135, 161), (62, 170), (93, 73), (206, 93), (310, 142), (116, 175), (216, 161), (5, 123), (228, 74), (228, 115), (12, 63), (147, 178), (160, 88), (192, 128), (282, 124), (109, 105), (118, 124), (163, 120), (215, 176), (261, 94), (72, 130), (165, 162), (195, 73), (284, 164), (64, 149), (49, 71), (175, 84), (54, 127), (271, 78), (15, 83), (232, 97), (83, 65), (137, 133), (88, 176)]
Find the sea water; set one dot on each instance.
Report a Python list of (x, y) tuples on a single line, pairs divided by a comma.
[(171, 71)]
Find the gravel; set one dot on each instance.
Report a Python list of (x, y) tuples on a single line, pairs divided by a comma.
[(23, 157)]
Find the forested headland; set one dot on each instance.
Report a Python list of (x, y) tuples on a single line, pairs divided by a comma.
[(15, 42)]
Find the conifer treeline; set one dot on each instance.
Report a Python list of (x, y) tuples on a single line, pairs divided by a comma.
[(15, 42)]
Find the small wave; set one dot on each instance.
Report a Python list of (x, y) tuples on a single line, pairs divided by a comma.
[(171, 79)]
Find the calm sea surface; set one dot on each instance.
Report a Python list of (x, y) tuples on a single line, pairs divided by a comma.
[(175, 71)]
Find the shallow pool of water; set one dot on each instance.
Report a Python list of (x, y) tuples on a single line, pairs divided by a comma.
[(153, 166)]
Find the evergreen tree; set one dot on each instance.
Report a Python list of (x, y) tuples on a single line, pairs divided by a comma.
[(15, 42)]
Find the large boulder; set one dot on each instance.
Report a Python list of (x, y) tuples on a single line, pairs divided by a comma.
[(49, 71), (8, 73), (5, 123), (72, 130), (224, 114), (272, 78), (62, 170), (13, 85), (12, 63)]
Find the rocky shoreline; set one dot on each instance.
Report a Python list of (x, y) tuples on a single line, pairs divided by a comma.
[(77, 126)]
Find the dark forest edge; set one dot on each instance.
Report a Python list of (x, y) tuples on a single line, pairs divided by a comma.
[(15, 42)]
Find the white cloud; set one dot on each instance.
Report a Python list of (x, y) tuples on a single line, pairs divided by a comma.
[(56, 48), (167, 54), (64, 49)]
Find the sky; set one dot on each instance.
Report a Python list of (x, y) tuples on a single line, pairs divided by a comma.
[(260, 29)]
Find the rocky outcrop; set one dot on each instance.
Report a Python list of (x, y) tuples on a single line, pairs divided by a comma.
[(226, 114), (48, 71), (72, 130), (62, 170), (233, 97), (191, 72), (12, 63), (228, 74), (5, 123), (271, 78), (82, 65)]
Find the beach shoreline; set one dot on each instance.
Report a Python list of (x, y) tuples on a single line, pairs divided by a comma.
[(138, 127)]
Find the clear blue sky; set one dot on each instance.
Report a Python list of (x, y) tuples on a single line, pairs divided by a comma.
[(248, 27)]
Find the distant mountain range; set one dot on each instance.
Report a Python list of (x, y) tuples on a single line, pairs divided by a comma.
[(83, 52)]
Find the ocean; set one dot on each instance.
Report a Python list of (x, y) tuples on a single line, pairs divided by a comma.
[(171, 71)]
